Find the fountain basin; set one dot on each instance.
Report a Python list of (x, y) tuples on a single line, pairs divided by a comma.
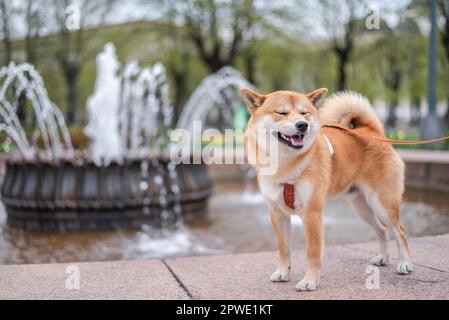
[(78, 195)]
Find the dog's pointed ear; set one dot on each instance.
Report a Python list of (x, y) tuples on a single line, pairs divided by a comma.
[(252, 99), (317, 96)]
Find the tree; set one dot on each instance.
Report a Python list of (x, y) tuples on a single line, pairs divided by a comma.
[(222, 30), (70, 46), (398, 47), (392, 73), (5, 14), (205, 21), (416, 72), (341, 20), (249, 56), (33, 23), (277, 65), (177, 62), (444, 31)]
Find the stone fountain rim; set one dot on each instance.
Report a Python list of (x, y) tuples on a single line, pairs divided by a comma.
[(81, 158)]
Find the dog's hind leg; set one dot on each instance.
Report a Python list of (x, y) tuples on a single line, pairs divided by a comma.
[(386, 207), (282, 228), (404, 265), (367, 214)]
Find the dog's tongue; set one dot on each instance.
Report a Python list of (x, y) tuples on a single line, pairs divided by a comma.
[(296, 140)]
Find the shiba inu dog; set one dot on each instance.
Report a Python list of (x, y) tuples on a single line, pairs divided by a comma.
[(318, 162)]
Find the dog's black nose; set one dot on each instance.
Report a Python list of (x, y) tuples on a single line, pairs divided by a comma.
[(302, 126)]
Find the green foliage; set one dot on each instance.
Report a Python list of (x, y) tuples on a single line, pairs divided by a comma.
[(414, 136), (276, 66), (283, 60)]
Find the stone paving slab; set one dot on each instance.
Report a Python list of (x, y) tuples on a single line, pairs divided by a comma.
[(246, 276), (98, 280), (241, 276)]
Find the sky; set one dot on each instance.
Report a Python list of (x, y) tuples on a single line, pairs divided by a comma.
[(131, 10)]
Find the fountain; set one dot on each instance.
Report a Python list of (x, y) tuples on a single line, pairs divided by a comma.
[(24, 79), (215, 89), (126, 178), (103, 107)]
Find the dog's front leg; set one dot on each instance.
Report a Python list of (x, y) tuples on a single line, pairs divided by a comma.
[(282, 228), (313, 229)]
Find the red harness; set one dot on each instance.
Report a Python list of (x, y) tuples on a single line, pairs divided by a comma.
[(289, 195)]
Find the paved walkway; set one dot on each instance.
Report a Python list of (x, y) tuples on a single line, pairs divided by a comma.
[(242, 276)]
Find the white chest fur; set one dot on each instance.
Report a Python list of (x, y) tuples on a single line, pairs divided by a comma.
[(273, 191)]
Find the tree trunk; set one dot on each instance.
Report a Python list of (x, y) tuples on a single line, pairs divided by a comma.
[(180, 87), (415, 111), (445, 43), (71, 72), (250, 65), (21, 103), (342, 62), (178, 68), (215, 63), (8, 51), (6, 33), (21, 107), (392, 118), (446, 116)]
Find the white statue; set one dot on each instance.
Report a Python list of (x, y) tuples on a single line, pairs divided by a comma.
[(103, 110)]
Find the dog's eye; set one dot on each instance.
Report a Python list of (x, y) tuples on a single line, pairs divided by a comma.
[(281, 113), (305, 113)]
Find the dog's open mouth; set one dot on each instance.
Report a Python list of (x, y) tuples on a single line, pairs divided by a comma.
[(295, 141)]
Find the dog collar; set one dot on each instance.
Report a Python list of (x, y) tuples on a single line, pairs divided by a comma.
[(289, 195)]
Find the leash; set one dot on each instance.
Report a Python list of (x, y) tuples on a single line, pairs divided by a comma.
[(289, 189), (390, 141)]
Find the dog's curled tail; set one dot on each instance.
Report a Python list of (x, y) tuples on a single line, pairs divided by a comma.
[(351, 110)]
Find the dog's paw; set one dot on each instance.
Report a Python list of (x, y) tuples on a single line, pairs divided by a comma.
[(307, 285), (380, 260), (404, 267), (279, 276)]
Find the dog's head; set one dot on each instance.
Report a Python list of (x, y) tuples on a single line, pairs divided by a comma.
[(291, 117)]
